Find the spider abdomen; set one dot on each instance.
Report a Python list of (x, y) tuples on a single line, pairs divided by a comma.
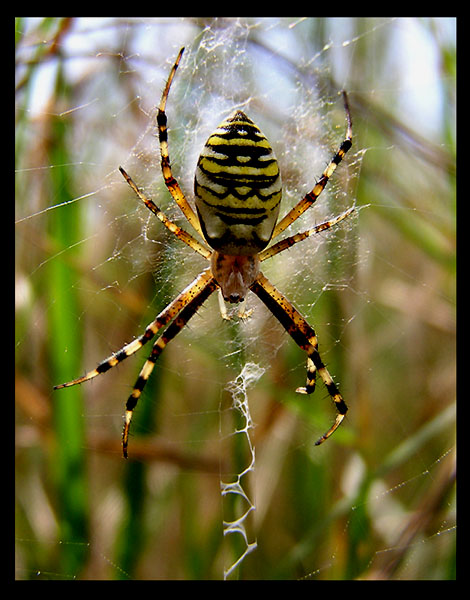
[(237, 187)]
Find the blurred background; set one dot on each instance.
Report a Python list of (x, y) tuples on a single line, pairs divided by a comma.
[(93, 268)]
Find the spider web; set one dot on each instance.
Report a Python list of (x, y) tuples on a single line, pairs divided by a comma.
[(220, 414)]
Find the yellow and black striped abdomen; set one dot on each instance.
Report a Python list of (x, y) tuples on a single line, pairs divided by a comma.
[(237, 188)]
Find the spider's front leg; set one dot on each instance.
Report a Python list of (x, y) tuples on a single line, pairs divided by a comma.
[(305, 337)]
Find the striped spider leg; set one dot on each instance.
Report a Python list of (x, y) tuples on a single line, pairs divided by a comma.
[(176, 326), (170, 181), (304, 336), (178, 312)]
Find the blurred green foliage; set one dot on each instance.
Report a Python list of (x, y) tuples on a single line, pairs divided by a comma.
[(92, 269)]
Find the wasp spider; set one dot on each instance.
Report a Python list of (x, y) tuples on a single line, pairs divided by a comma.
[(237, 191)]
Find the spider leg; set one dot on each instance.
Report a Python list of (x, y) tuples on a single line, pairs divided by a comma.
[(305, 337), (312, 196), (192, 291), (180, 233), (173, 329), (170, 181), (298, 237)]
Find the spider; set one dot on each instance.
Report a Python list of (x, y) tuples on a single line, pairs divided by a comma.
[(237, 191)]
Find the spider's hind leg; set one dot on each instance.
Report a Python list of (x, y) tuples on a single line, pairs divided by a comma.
[(305, 337), (160, 344), (330, 385), (309, 387)]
